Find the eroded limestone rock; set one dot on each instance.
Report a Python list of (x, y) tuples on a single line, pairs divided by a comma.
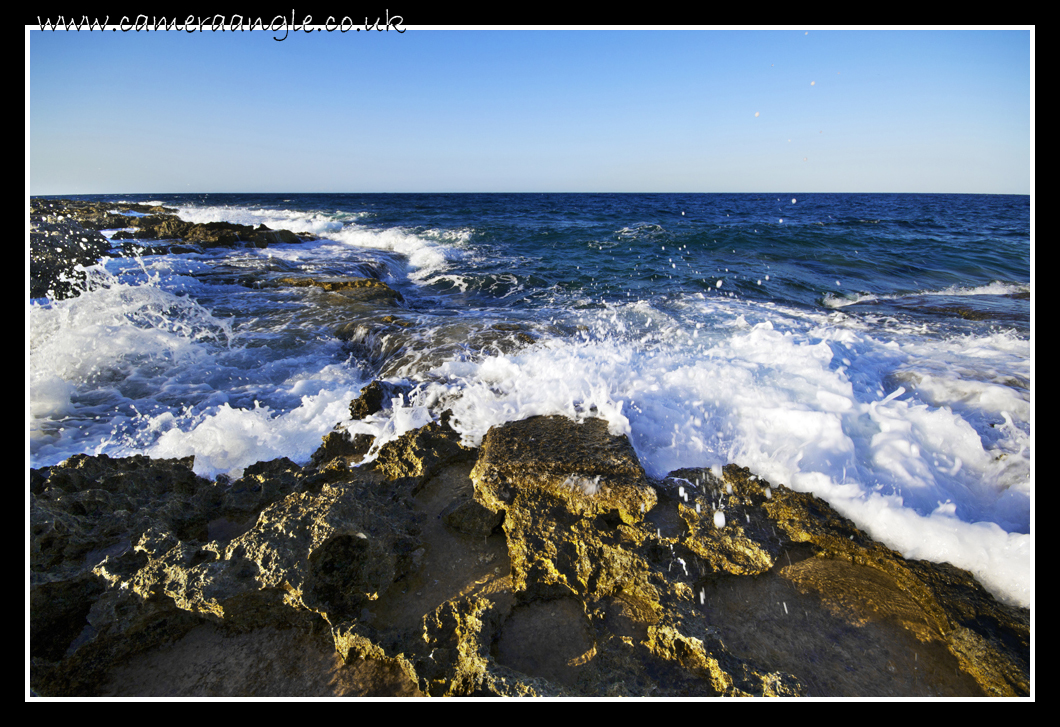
[(599, 582)]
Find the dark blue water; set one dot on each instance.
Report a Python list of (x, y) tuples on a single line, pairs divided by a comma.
[(883, 252)]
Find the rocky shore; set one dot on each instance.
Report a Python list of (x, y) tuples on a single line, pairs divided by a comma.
[(65, 234), (543, 563)]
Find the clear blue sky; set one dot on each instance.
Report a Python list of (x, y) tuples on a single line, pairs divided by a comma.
[(542, 110)]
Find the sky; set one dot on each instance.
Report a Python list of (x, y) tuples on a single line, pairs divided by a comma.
[(581, 110)]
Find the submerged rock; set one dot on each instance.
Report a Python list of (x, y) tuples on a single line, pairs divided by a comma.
[(360, 290), (544, 562)]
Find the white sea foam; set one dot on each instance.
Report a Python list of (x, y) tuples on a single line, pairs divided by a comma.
[(995, 288), (117, 331), (130, 366), (425, 258), (808, 402), (318, 223), (228, 439), (832, 300), (585, 485), (427, 253)]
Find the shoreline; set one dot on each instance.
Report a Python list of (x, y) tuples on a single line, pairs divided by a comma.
[(557, 569), (133, 558)]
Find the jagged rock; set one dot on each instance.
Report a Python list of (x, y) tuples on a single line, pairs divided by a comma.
[(58, 244), (569, 493), (325, 555), (64, 234), (418, 454), (86, 514), (591, 471), (209, 234), (934, 602), (371, 401), (467, 516), (262, 484), (336, 580), (351, 448)]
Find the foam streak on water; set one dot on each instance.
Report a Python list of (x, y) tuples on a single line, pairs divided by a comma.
[(874, 350)]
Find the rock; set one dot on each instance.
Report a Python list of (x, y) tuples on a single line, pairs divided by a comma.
[(591, 471), (86, 515), (210, 661), (393, 579), (340, 444), (58, 245), (376, 342), (361, 290), (467, 516), (107, 584), (209, 234), (418, 454), (868, 583), (64, 234), (372, 400)]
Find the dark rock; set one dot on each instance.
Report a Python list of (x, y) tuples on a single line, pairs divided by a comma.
[(58, 245), (467, 516), (64, 234), (376, 342), (341, 444), (376, 397), (262, 484), (370, 401), (209, 234), (107, 585)]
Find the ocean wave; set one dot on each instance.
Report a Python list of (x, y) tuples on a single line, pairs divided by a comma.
[(832, 300), (995, 288), (318, 223)]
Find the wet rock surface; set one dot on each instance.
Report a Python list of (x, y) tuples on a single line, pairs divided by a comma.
[(64, 234), (58, 243), (543, 563)]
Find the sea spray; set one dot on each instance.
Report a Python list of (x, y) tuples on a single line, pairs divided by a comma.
[(520, 305)]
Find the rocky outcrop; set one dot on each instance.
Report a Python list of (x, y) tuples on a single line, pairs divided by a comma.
[(58, 244), (544, 562), (64, 234), (209, 234)]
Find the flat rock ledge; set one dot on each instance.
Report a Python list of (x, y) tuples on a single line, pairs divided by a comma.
[(543, 563)]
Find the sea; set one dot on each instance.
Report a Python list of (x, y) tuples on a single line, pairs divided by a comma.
[(872, 349)]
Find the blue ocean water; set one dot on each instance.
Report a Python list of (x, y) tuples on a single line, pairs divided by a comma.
[(872, 349)]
